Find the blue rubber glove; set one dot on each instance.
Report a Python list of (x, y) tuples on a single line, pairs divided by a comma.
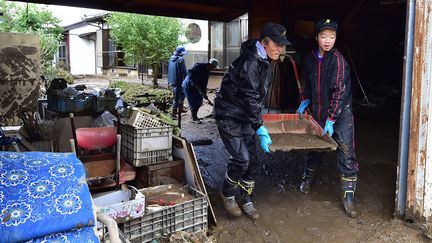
[(328, 128), (265, 140), (302, 107)]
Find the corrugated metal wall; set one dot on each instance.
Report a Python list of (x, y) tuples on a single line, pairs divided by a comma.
[(419, 181)]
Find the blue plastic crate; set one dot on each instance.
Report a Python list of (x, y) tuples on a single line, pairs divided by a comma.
[(70, 104)]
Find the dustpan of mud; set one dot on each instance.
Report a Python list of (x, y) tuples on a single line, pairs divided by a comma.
[(288, 133)]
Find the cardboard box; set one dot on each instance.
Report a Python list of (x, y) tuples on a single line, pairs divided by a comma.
[(122, 205)]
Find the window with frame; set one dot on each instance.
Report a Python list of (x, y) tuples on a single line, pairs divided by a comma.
[(63, 53)]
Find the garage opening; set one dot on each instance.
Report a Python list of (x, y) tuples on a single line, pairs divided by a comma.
[(371, 38)]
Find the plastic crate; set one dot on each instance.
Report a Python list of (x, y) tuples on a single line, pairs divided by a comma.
[(138, 118), (105, 103), (146, 146), (70, 104), (190, 216)]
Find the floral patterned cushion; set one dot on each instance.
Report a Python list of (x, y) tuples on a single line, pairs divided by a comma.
[(41, 194), (82, 235)]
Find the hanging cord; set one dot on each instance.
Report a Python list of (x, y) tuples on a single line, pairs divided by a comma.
[(27, 13), (296, 76), (297, 80), (356, 74)]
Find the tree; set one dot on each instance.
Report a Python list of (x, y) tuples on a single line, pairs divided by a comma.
[(147, 39), (31, 18)]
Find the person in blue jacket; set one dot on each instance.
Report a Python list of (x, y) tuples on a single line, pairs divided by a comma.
[(176, 74), (327, 92), (195, 85)]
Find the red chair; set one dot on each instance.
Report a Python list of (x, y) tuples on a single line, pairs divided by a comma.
[(99, 150)]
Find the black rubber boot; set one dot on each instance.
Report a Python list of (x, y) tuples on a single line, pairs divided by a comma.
[(228, 192), (348, 186), (247, 204), (307, 179), (195, 118)]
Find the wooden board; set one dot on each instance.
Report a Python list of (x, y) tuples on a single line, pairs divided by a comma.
[(184, 150), (180, 151), (201, 181)]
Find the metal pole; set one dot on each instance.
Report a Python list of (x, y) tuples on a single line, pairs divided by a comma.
[(405, 111)]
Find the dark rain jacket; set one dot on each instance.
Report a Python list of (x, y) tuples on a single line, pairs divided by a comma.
[(244, 87), (327, 84), (198, 76), (176, 70)]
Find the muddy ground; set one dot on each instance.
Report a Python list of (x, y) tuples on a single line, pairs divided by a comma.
[(290, 216)]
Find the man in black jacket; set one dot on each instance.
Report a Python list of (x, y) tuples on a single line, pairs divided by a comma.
[(237, 110), (327, 91), (195, 85)]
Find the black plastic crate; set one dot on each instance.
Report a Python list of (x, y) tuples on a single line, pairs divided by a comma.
[(190, 216), (105, 103)]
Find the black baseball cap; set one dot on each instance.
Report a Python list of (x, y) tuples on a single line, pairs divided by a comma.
[(275, 32), (326, 24)]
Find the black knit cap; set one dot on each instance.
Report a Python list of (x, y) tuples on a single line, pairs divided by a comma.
[(326, 24), (275, 32)]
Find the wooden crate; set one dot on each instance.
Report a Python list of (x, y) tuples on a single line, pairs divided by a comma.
[(169, 172)]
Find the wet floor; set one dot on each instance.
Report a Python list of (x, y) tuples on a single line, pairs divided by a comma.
[(290, 216)]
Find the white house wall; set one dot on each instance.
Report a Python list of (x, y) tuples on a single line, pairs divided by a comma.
[(82, 51), (201, 45), (198, 52)]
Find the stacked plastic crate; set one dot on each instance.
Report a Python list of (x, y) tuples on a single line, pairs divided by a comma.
[(145, 139), (147, 142)]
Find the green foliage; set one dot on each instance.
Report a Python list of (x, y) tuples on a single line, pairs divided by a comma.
[(147, 39), (35, 19), (6, 21), (49, 47), (57, 72), (30, 18), (131, 90)]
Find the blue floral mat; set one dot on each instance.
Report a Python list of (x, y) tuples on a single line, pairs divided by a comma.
[(44, 195)]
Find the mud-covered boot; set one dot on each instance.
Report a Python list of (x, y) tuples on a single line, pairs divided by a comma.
[(247, 204), (195, 118), (229, 188), (348, 186), (307, 179)]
